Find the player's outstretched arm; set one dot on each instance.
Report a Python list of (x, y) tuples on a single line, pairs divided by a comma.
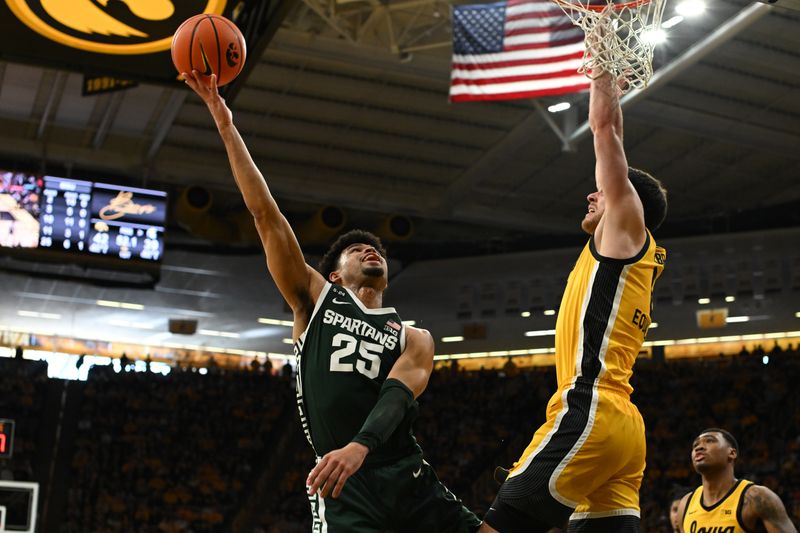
[(623, 233), (299, 283), (761, 504), (406, 381)]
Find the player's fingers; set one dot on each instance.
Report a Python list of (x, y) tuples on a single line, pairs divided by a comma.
[(213, 84), (331, 482), (337, 490), (313, 475)]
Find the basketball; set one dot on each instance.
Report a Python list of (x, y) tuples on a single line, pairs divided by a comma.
[(209, 44)]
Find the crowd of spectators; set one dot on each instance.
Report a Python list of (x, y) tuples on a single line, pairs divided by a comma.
[(23, 387), (470, 422), (169, 453), (175, 453)]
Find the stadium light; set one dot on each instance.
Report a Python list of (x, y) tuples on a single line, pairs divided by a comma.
[(540, 333), (549, 312), (275, 322), (735, 319), (455, 338), (674, 21), (765, 359), (215, 333), (409, 322), (653, 325), (655, 36), (730, 299), (690, 8), (525, 314), (34, 314), (561, 106), (704, 301), (797, 314), (287, 341)]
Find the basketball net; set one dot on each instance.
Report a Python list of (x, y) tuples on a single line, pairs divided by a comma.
[(619, 37)]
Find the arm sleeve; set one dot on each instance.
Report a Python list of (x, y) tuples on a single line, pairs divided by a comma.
[(393, 403)]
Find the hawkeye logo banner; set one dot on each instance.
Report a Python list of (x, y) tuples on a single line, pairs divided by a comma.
[(91, 35)]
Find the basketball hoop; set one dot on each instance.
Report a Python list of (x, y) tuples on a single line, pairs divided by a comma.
[(618, 37)]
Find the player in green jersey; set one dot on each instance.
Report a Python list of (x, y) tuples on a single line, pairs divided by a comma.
[(360, 369)]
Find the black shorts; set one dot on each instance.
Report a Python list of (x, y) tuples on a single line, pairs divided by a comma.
[(402, 497)]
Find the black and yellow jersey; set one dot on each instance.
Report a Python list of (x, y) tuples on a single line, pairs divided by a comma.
[(725, 516), (605, 314)]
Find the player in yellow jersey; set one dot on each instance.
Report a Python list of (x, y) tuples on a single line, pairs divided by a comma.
[(724, 504), (585, 464)]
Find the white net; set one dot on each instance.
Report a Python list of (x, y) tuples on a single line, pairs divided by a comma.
[(620, 37)]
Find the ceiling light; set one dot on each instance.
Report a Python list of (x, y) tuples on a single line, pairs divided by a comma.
[(797, 314), (653, 325), (690, 8), (703, 301), (456, 338), (730, 299), (525, 314), (275, 322), (214, 333), (561, 106), (34, 314), (674, 21), (409, 322), (119, 305), (735, 319), (540, 333), (287, 341), (654, 36), (549, 312)]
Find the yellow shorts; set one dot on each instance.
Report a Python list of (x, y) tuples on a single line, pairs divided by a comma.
[(587, 460)]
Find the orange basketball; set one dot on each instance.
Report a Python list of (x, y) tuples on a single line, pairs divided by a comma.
[(209, 44)]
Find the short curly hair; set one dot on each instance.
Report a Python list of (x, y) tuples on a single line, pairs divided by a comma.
[(330, 261)]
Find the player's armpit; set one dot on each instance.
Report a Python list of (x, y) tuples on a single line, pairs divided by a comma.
[(761, 504), (413, 368)]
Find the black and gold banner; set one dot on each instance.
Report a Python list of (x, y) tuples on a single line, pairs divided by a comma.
[(128, 39)]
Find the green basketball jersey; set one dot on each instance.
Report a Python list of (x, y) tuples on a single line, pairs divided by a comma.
[(343, 358)]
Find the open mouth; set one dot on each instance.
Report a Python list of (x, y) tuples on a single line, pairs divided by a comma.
[(371, 257)]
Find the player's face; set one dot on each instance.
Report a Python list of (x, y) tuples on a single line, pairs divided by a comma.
[(594, 212), (362, 261), (674, 519), (710, 451)]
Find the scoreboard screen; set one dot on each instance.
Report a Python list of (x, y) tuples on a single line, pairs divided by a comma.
[(81, 218)]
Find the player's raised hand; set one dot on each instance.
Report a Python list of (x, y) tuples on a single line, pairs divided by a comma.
[(206, 88), (333, 470)]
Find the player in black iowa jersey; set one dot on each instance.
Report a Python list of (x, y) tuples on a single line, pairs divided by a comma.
[(724, 504), (360, 370)]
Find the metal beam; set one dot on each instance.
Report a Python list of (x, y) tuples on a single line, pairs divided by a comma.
[(56, 91), (693, 55), (168, 116), (108, 119)]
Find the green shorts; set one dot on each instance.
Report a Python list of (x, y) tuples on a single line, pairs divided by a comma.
[(403, 497)]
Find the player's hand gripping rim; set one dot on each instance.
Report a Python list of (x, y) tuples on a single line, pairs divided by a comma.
[(333, 470)]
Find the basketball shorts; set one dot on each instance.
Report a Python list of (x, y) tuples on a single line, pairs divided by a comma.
[(399, 498), (585, 465)]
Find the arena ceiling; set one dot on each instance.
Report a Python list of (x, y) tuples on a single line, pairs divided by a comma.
[(348, 107)]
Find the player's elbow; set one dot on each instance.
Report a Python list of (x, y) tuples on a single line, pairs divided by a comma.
[(605, 130)]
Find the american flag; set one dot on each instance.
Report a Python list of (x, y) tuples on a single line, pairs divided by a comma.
[(514, 49)]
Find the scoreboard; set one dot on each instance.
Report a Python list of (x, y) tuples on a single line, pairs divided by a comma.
[(81, 218)]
